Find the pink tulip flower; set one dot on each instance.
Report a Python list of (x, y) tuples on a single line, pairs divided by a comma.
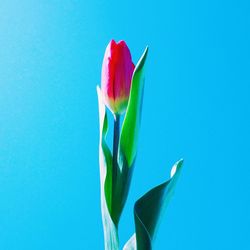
[(117, 71)]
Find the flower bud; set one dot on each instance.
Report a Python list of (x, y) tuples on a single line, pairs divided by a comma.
[(117, 71)]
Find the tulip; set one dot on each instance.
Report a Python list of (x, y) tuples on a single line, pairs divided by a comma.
[(117, 71)]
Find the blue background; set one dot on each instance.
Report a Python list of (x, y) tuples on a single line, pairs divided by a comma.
[(196, 107)]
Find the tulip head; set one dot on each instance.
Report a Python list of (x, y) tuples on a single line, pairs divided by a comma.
[(117, 71)]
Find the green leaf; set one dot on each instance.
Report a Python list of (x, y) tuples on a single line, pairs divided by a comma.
[(128, 140), (105, 162), (131, 123), (148, 209)]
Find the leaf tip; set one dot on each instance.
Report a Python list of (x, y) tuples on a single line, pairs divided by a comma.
[(142, 60), (177, 166)]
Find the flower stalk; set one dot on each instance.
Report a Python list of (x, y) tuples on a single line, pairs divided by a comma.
[(115, 166)]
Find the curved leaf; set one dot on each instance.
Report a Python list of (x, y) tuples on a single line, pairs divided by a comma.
[(148, 209), (130, 127), (128, 140), (131, 244), (105, 162)]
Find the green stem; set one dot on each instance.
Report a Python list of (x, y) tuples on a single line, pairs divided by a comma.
[(115, 159), (115, 144)]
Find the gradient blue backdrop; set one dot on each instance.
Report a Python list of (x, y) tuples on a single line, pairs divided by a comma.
[(196, 107)]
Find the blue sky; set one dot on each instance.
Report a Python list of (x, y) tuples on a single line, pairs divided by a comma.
[(196, 107)]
